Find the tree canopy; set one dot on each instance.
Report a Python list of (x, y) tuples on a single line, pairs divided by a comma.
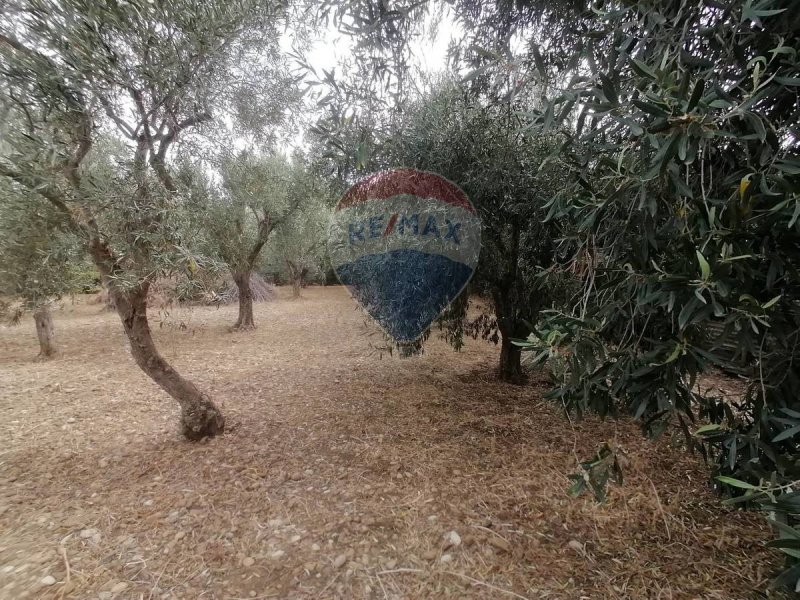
[(479, 146), (678, 211), (145, 74)]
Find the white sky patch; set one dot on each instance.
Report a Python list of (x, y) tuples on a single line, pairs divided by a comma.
[(428, 52)]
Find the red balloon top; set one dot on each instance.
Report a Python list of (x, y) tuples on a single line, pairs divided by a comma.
[(422, 184)]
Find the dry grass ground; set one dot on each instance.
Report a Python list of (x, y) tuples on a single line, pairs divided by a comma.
[(340, 477)]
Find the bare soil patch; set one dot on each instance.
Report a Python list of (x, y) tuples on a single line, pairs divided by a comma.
[(343, 474)]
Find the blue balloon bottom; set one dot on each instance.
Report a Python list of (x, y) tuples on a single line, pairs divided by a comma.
[(404, 290)]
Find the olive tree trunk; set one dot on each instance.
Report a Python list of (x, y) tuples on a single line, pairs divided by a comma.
[(245, 320), (45, 332), (510, 368), (507, 299), (295, 277), (510, 326), (199, 416)]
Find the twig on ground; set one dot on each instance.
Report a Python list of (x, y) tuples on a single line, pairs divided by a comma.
[(63, 550), (329, 584), (383, 589), (660, 509), (155, 584), (492, 532)]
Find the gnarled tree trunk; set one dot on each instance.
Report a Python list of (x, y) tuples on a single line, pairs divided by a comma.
[(245, 320), (199, 416), (45, 333)]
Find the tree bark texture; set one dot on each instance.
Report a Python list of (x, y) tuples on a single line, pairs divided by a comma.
[(510, 368), (245, 321), (45, 332), (506, 305)]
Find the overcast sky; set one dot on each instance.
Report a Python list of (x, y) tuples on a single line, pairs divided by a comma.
[(429, 52)]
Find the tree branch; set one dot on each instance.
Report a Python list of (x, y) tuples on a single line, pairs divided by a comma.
[(47, 191), (265, 227), (157, 159), (83, 138), (121, 125), (144, 123), (74, 98), (16, 45), (24, 107), (174, 131), (78, 219)]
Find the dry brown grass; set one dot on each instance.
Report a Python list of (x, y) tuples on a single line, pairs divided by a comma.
[(339, 477)]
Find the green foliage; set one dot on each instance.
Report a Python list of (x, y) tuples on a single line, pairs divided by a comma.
[(297, 251), (148, 237), (263, 202), (679, 214), (39, 262), (468, 132), (478, 146), (97, 94), (682, 143), (597, 472), (254, 199), (365, 98)]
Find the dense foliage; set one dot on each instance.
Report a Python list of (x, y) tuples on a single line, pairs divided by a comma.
[(145, 75), (479, 147), (681, 215), (686, 206), (297, 253), (268, 213), (39, 263)]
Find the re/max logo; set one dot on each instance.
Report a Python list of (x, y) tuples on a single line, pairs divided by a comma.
[(377, 226)]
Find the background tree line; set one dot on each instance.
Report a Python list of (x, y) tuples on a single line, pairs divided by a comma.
[(96, 99)]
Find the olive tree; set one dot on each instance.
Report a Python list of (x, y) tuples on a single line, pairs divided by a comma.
[(479, 147), (470, 133), (147, 74), (298, 247), (682, 138), (680, 127), (253, 200), (37, 259)]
